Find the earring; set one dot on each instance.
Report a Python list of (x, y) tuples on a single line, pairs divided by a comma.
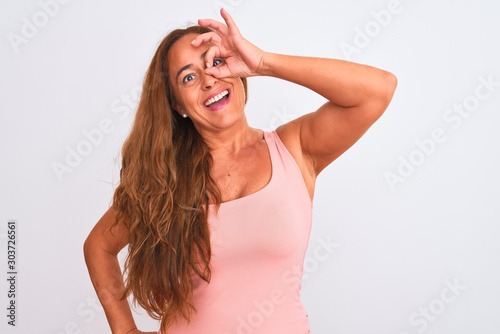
[(184, 115)]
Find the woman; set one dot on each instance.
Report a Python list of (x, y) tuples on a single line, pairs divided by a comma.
[(217, 214)]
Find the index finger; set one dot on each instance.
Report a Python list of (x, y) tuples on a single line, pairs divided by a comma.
[(210, 37), (231, 25)]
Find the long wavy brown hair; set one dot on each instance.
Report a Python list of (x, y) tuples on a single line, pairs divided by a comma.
[(163, 197)]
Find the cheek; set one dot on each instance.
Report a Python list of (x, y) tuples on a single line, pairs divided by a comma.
[(240, 92), (186, 97), (176, 99)]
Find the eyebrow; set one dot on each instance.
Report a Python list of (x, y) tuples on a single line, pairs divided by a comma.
[(185, 67)]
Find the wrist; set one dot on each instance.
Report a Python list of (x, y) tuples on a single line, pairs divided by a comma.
[(266, 64)]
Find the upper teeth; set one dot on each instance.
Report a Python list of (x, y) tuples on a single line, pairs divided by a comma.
[(216, 98)]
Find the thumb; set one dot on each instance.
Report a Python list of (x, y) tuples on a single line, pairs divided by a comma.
[(217, 72)]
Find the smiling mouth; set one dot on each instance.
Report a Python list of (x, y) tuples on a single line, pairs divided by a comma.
[(222, 96)]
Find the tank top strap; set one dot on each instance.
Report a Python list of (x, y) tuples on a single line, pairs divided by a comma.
[(285, 171)]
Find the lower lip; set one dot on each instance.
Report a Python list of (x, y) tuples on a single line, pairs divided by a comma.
[(218, 106)]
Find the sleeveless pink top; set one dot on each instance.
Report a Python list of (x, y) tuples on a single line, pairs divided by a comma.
[(258, 248)]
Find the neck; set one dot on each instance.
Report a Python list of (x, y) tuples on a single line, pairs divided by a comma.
[(232, 139)]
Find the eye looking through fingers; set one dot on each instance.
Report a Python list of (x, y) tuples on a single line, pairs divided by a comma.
[(218, 61), (213, 56), (190, 77)]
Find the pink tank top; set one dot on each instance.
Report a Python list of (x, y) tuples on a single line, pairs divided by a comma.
[(258, 248)]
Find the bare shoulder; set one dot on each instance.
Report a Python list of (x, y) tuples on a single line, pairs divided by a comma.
[(289, 134)]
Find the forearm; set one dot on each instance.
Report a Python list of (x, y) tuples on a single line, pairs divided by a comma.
[(343, 83), (107, 279)]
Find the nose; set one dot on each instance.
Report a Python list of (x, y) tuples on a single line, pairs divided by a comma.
[(209, 81)]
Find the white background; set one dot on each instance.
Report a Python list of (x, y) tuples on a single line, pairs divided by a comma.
[(396, 247)]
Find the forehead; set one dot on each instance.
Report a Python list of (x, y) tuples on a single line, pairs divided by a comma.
[(182, 53)]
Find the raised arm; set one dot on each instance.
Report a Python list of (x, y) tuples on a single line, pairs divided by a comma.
[(357, 94), (101, 250)]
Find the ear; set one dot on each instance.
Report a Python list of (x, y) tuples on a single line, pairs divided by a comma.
[(177, 108)]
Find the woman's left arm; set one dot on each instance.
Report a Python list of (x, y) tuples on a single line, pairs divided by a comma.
[(357, 96)]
